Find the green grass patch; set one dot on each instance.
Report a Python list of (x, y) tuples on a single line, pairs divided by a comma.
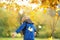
[(22, 39), (19, 39)]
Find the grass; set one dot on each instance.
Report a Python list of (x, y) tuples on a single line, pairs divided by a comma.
[(22, 39), (19, 39)]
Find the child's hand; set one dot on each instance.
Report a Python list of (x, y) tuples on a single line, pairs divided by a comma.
[(14, 34), (34, 33)]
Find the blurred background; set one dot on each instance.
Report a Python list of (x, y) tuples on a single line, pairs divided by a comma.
[(44, 13)]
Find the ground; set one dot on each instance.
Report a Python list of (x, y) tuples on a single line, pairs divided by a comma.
[(17, 39), (22, 39)]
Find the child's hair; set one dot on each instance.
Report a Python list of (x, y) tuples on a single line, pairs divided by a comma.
[(24, 18)]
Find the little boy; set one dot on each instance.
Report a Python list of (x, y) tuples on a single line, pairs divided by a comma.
[(28, 29)]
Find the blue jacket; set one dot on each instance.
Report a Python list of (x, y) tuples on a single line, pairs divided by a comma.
[(28, 29)]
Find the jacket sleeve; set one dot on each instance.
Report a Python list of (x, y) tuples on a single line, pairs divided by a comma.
[(34, 29), (21, 27)]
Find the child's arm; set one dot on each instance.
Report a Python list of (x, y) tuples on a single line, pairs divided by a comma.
[(21, 27), (34, 28), (34, 31)]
